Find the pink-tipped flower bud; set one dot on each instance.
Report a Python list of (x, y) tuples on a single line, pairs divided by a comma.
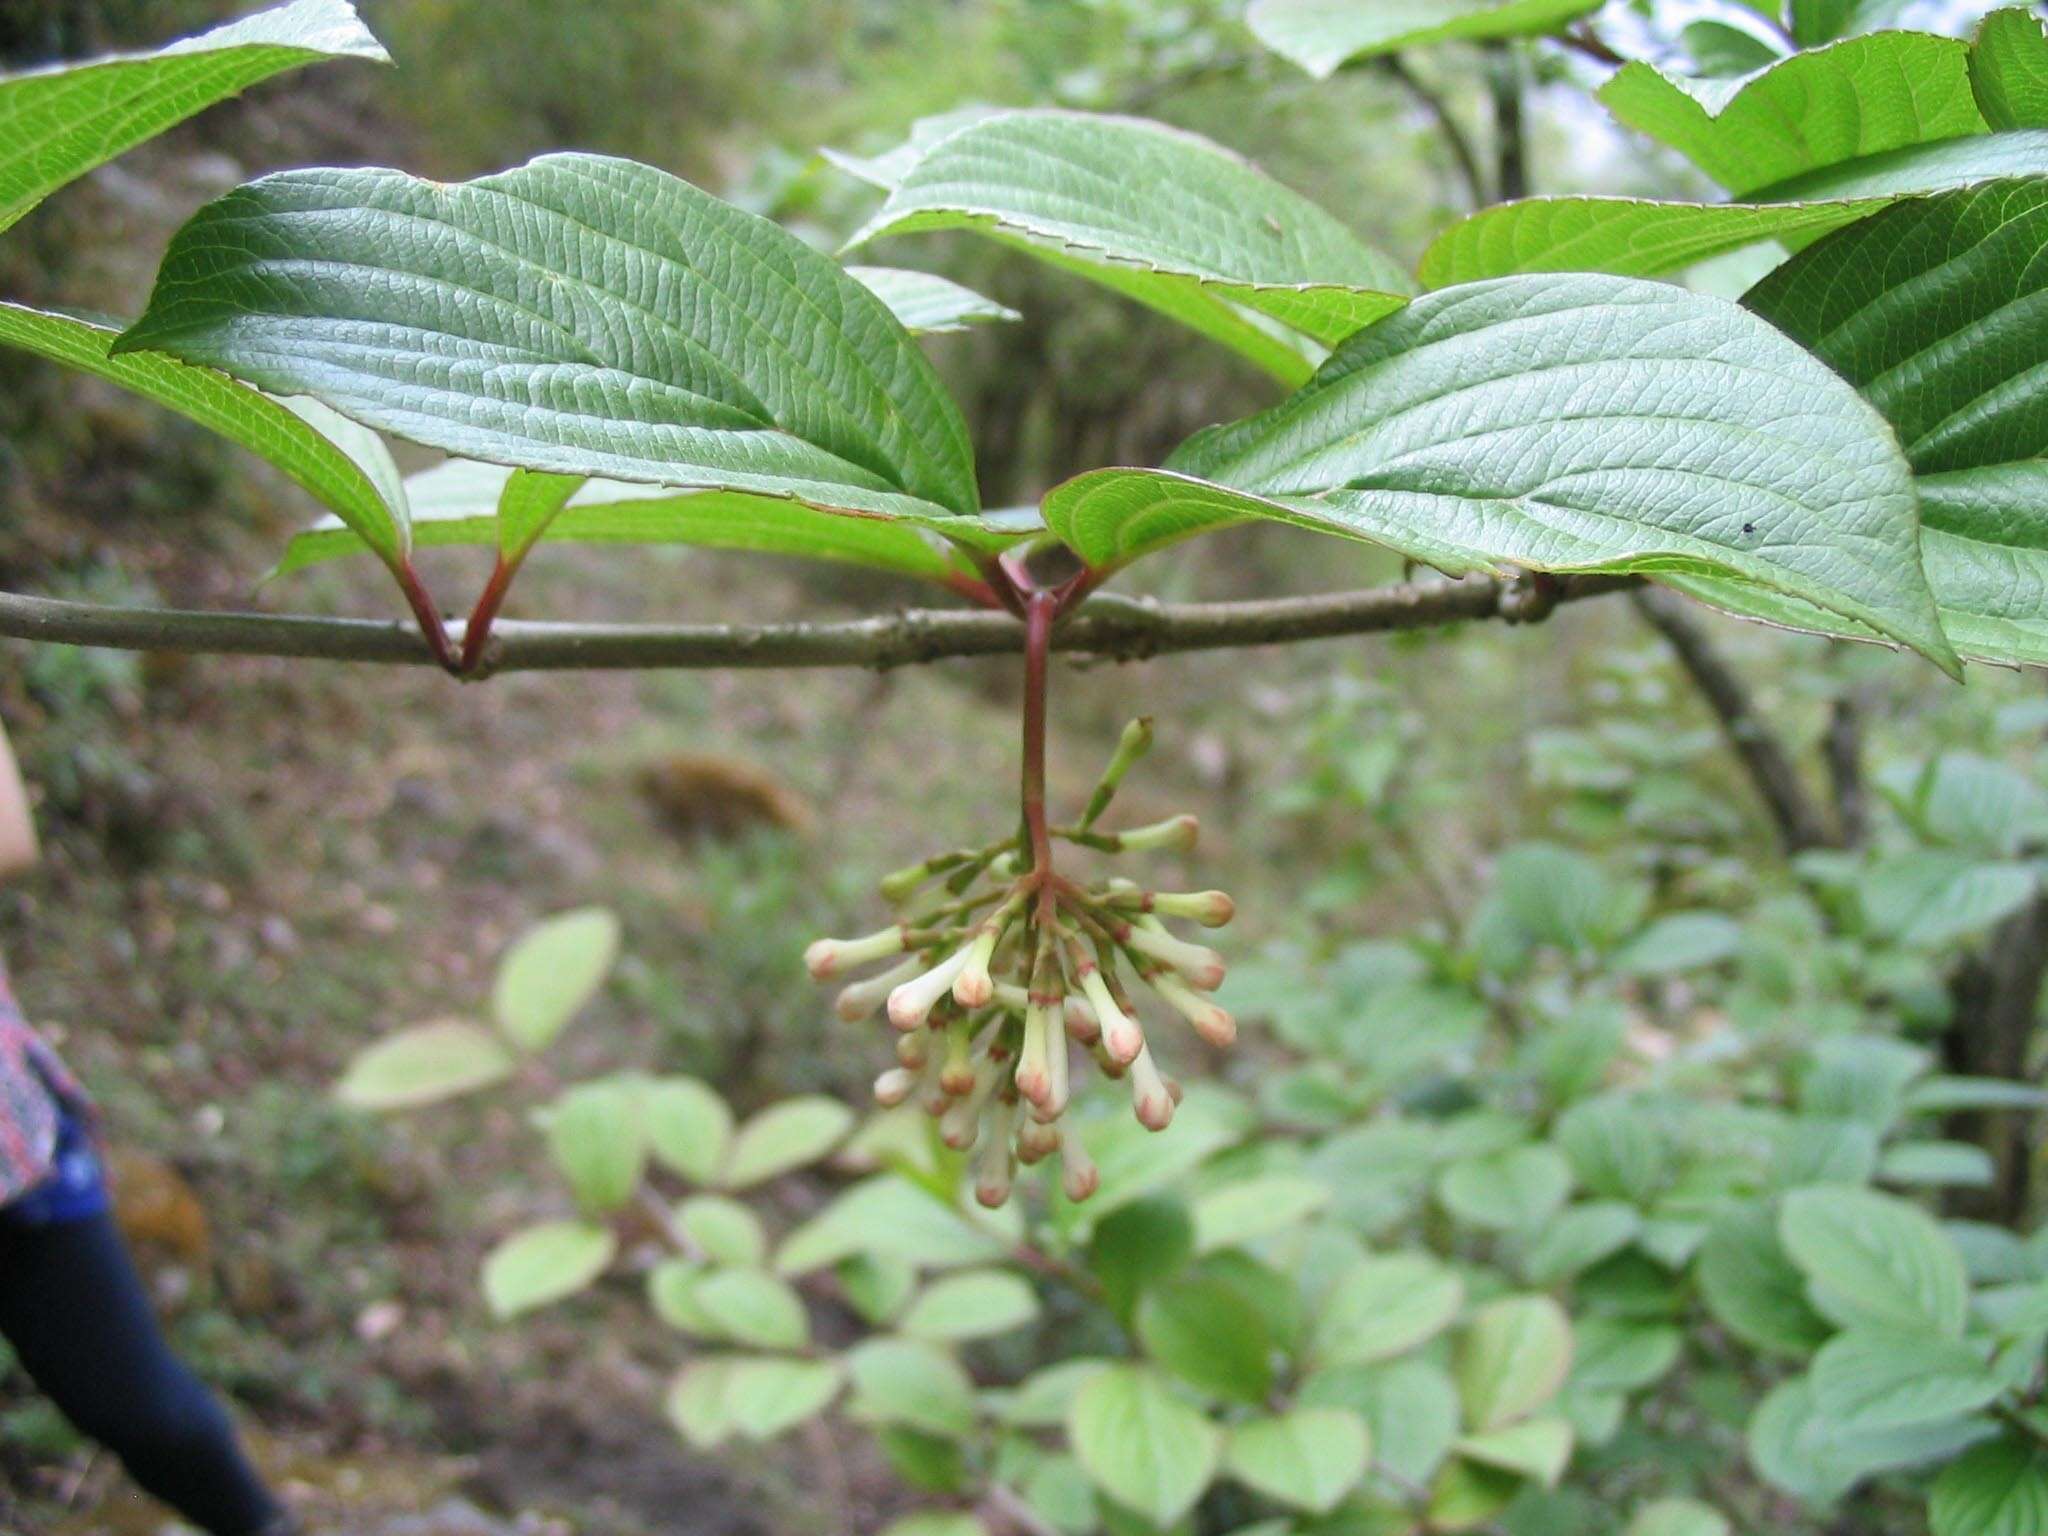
[(961, 1123), (1034, 1066), (956, 1074), (1055, 1102), (828, 957), (1122, 1039), (915, 1048), (1036, 1141), (1214, 1024), (912, 1001), (1177, 834), (901, 884), (1151, 1098), (863, 998), (1212, 909), (1201, 965), (974, 987), (894, 1086), (995, 1166), (1083, 1028), (1079, 1177)]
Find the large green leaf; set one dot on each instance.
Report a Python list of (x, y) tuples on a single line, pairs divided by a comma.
[(551, 972), (1937, 310), (1813, 109), (1644, 237), (1998, 1489), (425, 1064), (1870, 1260), (1307, 1458), (579, 314), (1511, 1359), (2009, 70), (1383, 1306), (457, 504), (1559, 423), (1324, 35), (1880, 1378), (1141, 1444), (1796, 1445), (254, 421), (545, 1263), (1753, 1289), (1163, 216), (58, 123)]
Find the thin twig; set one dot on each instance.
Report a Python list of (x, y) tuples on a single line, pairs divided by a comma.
[(1448, 127), (1107, 625)]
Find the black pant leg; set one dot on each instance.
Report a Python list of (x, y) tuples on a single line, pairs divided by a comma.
[(82, 1326)]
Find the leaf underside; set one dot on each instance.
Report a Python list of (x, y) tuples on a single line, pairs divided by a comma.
[(1323, 35), (1160, 215), (580, 315), (1562, 423), (929, 305), (58, 123), (1643, 237)]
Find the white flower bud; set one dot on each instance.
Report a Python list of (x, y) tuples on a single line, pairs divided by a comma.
[(1079, 1177), (1011, 997), (914, 1049), (1034, 1069), (1151, 1098), (1201, 965), (1177, 834), (894, 1086), (828, 957), (1214, 1024), (1121, 1036), (860, 1000), (1055, 1101), (961, 1123), (1212, 909), (1083, 1028), (910, 1002), (994, 1165), (1036, 1142), (973, 987)]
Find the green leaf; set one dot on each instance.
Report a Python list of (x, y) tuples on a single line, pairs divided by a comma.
[(58, 123), (1159, 215), (1924, 1164), (456, 505), (1575, 423), (1510, 1359), (597, 1141), (551, 972), (688, 1126), (544, 1264), (1882, 1378), (1954, 379), (1307, 1459), (423, 1065), (936, 1523), (1042, 1399), (267, 428), (1520, 1188), (1752, 1287), (973, 1305), (672, 1293), (890, 1217), (528, 506), (1203, 1330), (1578, 1238), (1719, 50), (1324, 35), (1618, 1147), (699, 1402), (1409, 1406), (926, 304), (906, 1381), (1680, 941), (1385, 1306), (2009, 70), (783, 1137), (1822, 21), (1140, 1245), (1931, 897), (1795, 1446), (877, 1288), (1999, 1488), (1614, 1354), (1812, 109), (1642, 238), (770, 1396), (579, 314), (1534, 1448), (1142, 1445), (751, 1306), (1469, 1493), (1242, 1212), (1872, 1260), (727, 1231), (1678, 1517)]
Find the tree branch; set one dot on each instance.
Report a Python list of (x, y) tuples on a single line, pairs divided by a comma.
[(1510, 131), (1107, 626), (1793, 811), (1997, 998)]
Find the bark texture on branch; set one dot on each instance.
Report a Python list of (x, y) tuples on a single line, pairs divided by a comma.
[(1107, 626), (1794, 812), (1997, 997)]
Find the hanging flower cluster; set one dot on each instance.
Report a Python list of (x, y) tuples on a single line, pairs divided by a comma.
[(1003, 968)]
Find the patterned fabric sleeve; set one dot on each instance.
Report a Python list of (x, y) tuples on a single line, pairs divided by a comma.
[(35, 1093)]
